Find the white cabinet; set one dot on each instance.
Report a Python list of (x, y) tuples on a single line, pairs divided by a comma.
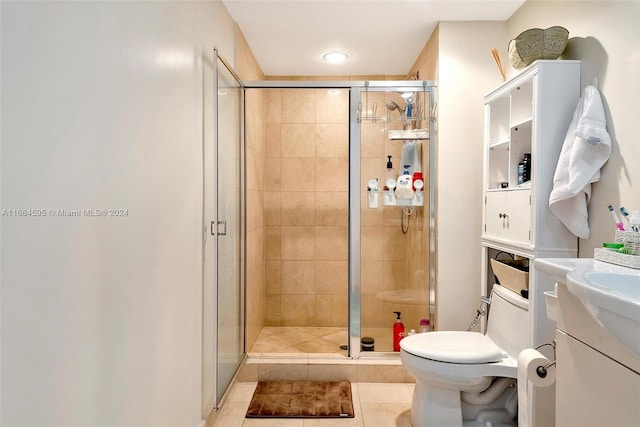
[(598, 379), (508, 215), (526, 119)]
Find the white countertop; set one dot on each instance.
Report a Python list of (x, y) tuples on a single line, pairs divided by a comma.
[(610, 293), (559, 267)]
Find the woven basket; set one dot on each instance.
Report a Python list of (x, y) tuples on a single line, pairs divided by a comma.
[(509, 276), (606, 255), (630, 240), (537, 43)]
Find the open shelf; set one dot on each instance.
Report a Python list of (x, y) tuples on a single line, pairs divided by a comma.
[(500, 145), (412, 134), (389, 200)]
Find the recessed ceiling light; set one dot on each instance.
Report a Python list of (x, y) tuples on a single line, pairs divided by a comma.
[(335, 56)]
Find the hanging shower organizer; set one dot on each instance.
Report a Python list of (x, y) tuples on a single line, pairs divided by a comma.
[(413, 122)]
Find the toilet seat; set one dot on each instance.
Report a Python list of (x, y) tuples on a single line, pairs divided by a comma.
[(453, 347)]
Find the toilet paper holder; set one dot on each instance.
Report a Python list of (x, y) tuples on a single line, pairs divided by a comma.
[(541, 371)]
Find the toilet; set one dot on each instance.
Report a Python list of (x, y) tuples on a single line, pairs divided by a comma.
[(467, 378)]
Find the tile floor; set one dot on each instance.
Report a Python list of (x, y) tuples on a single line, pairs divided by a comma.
[(375, 405), (283, 339)]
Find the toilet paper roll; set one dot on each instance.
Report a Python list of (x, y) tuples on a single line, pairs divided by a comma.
[(529, 361)]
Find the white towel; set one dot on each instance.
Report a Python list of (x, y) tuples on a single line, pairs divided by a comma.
[(587, 146)]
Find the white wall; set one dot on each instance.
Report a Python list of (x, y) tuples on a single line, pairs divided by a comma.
[(466, 73), (604, 35), (102, 107)]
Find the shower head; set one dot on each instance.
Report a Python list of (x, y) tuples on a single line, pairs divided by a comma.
[(393, 106)]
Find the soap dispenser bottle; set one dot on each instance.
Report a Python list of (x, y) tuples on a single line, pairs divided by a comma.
[(398, 332), (390, 174)]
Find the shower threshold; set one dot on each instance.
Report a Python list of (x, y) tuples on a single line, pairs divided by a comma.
[(377, 368), (279, 354)]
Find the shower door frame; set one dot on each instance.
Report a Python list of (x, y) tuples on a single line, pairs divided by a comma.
[(356, 88), (217, 374)]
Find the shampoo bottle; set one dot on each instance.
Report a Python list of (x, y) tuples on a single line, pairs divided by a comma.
[(398, 332), (405, 180), (417, 176), (635, 221), (404, 185)]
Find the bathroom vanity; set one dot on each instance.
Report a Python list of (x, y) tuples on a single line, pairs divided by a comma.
[(597, 376)]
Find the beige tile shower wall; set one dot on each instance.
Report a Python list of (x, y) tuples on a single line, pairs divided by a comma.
[(391, 261), (427, 66), (249, 69), (255, 266), (418, 250), (306, 207), (418, 259)]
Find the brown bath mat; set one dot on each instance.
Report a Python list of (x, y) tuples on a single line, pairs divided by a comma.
[(301, 399)]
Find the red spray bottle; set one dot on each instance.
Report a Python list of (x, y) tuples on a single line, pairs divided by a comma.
[(398, 332)]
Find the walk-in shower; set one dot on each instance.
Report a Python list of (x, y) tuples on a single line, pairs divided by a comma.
[(334, 268)]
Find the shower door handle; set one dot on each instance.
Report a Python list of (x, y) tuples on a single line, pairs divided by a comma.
[(224, 228), (219, 228)]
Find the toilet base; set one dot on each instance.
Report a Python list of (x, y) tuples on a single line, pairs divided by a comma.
[(433, 407)]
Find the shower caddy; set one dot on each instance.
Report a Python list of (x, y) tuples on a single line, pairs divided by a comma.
[(417, 127)]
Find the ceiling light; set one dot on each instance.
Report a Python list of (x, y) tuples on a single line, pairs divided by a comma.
[(335, 56)]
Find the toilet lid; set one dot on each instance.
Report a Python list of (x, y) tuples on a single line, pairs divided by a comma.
[(453, 346)]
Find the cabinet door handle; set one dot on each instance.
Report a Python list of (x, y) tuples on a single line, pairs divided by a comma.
[(503, 215)]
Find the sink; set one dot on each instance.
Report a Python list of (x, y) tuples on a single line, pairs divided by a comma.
[(558, 268), (612, 298)]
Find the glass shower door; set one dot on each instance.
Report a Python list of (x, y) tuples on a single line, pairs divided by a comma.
[(392, 258), (230, 294)]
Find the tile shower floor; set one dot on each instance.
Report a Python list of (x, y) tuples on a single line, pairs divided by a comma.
[(375, 405), (287, 339)]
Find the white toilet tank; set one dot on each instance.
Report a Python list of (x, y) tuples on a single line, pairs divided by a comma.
[(508, 321)]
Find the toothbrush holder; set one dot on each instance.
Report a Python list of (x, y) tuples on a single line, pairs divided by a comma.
[(630, 240), (373, 199)]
